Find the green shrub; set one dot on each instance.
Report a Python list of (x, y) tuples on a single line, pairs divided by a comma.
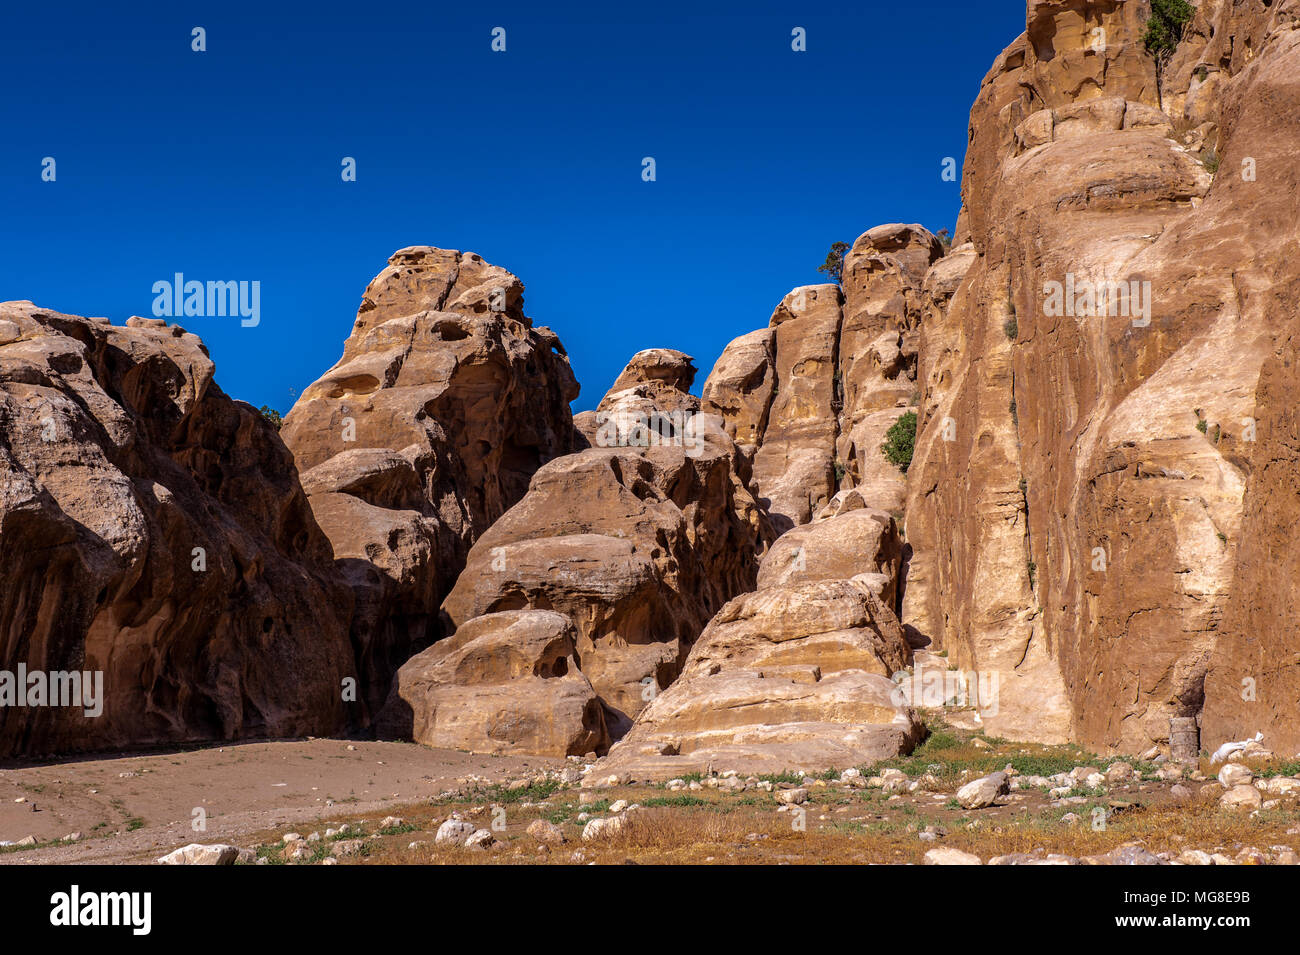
[(1165, 28), (271, 415), (900, 441), (1011, 328)]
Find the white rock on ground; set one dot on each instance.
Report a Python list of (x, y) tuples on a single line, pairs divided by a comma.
[(602, 828), (198, 854), (984, 791), (453, 832), (945, 856)]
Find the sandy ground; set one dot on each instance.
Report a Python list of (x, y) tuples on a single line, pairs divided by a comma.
[(130, 808)]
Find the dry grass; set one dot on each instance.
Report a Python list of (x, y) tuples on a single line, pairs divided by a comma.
[(838, 825)]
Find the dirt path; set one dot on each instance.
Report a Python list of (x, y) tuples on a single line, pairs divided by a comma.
[(129, 807)]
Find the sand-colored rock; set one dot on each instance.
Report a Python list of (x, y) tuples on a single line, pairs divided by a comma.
[(638, 545), (445, 402), (855, 542), (787, 678), (154, 531), (812, 396), (503, 683), (1096, 588), (877, 352), (794, 466), (741, 386)]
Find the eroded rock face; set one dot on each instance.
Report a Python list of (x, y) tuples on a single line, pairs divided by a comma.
[(154, 530), (879, 338), (639, 546), (851, 543), (1075, 504), (811, 397), (786, 678), (503, 683), (447, 399)]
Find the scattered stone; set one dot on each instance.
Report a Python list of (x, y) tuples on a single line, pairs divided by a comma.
[(1234, 774), (198, 854), (948, 856), (603, 828), (1241, 797), (983, 792), (453, 832), (347, 847), (546, 832)]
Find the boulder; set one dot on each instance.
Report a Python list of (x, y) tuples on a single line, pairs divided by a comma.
[(948, 856), (198, 854), (639, 546), (1241, 797), (504, 683), (837, 548), (984, 792), (453, 832), (786, 677)]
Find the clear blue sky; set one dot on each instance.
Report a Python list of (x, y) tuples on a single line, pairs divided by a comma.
[(226, 164)]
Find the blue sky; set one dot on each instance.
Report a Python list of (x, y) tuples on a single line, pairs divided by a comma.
[(225, 165)]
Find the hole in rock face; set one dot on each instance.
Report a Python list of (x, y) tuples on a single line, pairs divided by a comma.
[(267, 624), (450, 331), (353, 385)]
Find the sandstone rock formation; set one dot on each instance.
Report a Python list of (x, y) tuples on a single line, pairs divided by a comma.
[(812, 396), (505, 682), (851, 543), (638, 545), (649, 404), (787, 678), (154, 530), (447, 399), (796, 675), (1075, 503)]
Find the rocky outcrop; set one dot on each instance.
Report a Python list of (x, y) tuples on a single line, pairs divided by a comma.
[(649, 404), (153, 531), (639, 545), (504, 683), (784, 679), (1075, 502), (796, 675), (878, 352), (850, 543), (447, 399), (812, 396)]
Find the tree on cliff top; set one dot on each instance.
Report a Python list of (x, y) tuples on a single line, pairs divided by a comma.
[(834, 264), (1165, 28), (271, 415)]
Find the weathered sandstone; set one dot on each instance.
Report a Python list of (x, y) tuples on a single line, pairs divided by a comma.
[(154, 530), (445, 402)]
